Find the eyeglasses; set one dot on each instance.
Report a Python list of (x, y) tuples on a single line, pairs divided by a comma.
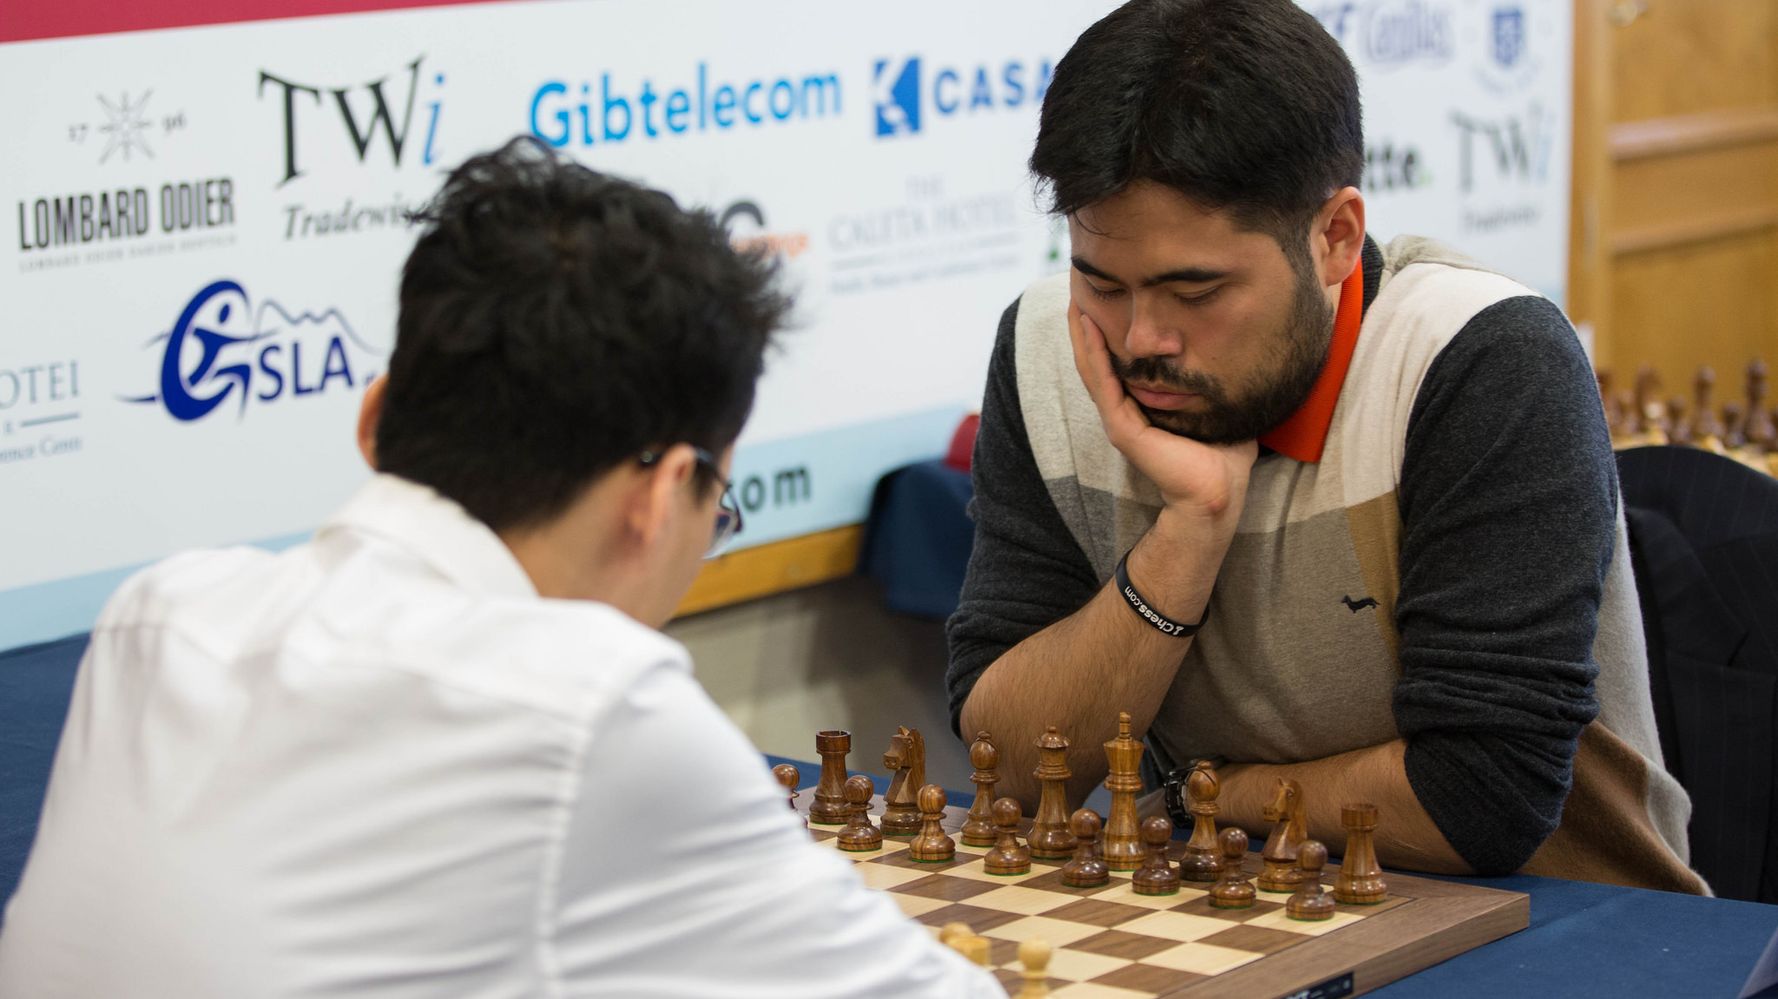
[(728, 512)]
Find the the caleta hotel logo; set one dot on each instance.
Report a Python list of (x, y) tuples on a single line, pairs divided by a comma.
[(226, 353)]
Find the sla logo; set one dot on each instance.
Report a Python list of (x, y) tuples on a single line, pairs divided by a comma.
[(903, 93), (221, 348), (360, 126)]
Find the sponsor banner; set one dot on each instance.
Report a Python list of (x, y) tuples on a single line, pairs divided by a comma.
[(207, 226), (1467, 113)]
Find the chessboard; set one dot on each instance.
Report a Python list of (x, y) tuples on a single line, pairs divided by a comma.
[(1109, 941)]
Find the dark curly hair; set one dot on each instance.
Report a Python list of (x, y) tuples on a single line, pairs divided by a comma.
[(1247, 106), (555, 322)]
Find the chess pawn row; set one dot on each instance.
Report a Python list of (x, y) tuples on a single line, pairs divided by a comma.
[(1087, 869), (860, 835), (1156, 876), (1311, 902), (931, 845), (1008, 856), (1233, 890), (789, 777)]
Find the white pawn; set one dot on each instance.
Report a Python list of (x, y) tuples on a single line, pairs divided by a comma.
[(1034, 954)]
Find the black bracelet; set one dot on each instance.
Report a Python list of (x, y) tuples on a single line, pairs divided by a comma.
[(1163, 624)]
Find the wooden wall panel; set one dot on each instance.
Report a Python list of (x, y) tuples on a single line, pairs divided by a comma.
[(1713, 302), (1685, 56)]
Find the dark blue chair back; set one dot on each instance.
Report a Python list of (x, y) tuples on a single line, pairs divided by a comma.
[(35, 684)]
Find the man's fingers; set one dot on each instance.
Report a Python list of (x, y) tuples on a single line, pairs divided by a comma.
[(1092, 359)]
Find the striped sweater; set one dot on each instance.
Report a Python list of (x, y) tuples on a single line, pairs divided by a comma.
[(1466, 486)]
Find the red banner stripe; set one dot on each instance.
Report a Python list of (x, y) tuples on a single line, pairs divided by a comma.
[(25, 20)]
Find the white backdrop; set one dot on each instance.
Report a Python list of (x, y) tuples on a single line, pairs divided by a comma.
[(206, 228)]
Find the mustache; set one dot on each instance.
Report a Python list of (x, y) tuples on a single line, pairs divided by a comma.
[(1154, 372)]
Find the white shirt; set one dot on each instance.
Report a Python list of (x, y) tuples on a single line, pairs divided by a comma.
[(379, 764)]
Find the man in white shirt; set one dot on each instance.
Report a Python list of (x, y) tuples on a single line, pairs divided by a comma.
[(441, 749)]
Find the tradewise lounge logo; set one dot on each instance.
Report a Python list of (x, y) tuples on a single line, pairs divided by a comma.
[(223, 350), (910, 93), (392, 119)]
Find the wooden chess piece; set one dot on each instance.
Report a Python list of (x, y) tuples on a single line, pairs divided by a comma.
[(789, 776), (974, 948), (1614, 411), (1651, 415), (1311, 901), (1086, 870), (1050, 838), (830, 808), (1234, 891), (1625, 433), (960, 938), (1679, 429), (1203, 857), (978, 828), (906, 760), (1008, 856), (1734, 425), (1034, 959), (1761, 432), (1156, 876), (860, 834), (931, 845), (1122, 850), (1706, 430), (1288, 833), (1360, 881)]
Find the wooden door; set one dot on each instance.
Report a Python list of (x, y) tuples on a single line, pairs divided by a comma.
[(1674, 236)]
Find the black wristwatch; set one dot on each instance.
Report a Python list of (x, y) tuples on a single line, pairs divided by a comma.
[(1173, 789)]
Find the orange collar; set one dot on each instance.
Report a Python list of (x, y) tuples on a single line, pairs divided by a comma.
[(1303, 434)]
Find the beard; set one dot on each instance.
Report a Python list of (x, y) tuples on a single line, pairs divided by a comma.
[(1289, 372)]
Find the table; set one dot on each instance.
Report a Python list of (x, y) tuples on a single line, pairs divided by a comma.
[(1584, 940)]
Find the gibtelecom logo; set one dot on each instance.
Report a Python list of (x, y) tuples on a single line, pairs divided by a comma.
[(612, 111), (222, 349), (909, 93)]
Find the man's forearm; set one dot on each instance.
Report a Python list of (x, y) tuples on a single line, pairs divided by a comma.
[(1406, 837), (1080, 672)]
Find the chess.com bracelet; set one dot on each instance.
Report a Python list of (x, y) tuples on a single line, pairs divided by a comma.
[(1161, 623)]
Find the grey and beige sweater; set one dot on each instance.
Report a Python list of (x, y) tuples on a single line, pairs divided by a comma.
[(1466, 485)]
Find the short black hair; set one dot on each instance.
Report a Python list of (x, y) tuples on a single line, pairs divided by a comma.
[(555, 322), (1244, 106)]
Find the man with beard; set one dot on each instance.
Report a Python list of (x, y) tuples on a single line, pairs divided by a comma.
[(1307, 506)]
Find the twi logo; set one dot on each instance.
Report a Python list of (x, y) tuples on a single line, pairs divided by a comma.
[(1518, 147), (221, 348), (907, 98), (360, 126)]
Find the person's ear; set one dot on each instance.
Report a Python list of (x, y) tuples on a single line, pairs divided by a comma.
[(370, 414), (654, 501), (1337, 237)]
